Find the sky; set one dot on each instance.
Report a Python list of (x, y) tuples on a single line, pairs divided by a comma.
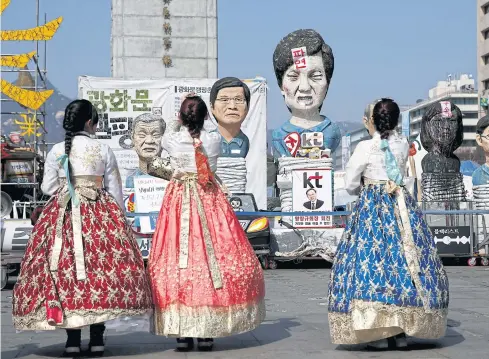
[(382, 48)]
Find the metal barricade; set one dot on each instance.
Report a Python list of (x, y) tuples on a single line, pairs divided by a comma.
[(454, 227)]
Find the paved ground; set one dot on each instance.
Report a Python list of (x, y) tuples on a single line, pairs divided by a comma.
[(296, 326)]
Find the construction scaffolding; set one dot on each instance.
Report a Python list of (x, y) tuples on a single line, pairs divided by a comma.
[(22, 158), (30, 92)]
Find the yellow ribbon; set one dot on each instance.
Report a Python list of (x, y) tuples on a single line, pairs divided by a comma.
[(86, 187)]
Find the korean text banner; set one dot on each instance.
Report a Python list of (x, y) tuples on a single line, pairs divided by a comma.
[(312, 191), (120, 101)]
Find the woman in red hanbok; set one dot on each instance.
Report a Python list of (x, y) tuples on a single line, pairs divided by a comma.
[(206, 280), (82, 265)]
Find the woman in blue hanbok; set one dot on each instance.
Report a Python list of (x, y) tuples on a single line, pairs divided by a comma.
[(387, 280)]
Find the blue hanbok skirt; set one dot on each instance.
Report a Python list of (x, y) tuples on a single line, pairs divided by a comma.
[(387, 277)]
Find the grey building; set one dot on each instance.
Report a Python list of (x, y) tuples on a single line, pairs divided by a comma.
[(459, 90), (164, 39), (483, 54)]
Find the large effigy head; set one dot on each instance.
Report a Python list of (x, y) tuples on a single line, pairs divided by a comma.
[(482, 134), (480, 177), (147, 132), (303, 64), (442, 128)]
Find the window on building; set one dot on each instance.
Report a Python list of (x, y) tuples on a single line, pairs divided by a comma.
[(464, 100), (485, 58), (485, 83), (469, 143), (470, 115), (416, 127), (485, 9)]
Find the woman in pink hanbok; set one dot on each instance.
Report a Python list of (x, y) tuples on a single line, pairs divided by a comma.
[(207, 282)]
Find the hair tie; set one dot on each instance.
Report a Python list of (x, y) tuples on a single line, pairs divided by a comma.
[(197, 142)]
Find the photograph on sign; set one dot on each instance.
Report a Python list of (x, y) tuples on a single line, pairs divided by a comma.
[(312, 191)]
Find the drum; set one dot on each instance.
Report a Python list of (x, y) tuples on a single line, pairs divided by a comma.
[(6, 205)]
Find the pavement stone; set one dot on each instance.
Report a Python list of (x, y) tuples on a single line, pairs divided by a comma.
[(296, 326)]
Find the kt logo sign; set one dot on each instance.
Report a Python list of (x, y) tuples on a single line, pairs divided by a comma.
[(315, 178)]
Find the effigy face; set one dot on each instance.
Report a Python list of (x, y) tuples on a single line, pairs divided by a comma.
[(441, 135), (304, 65), (147, 133), (305, 87), (443, 131), (230, 107)]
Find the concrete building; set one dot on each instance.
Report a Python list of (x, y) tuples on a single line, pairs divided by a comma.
[(483, 53), (356, 136), (461, 91), (162, 39)]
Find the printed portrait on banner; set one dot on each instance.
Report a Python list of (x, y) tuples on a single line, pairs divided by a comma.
[(312, 191)]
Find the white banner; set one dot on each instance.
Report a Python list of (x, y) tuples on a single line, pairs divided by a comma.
[(149, 193), (120, 101), (312, 191)]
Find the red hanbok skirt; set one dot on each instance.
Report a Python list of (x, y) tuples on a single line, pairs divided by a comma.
[(65, 283), (206, 280)]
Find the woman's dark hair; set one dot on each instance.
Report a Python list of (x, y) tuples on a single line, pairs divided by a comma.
[(193, 113), (315, 45), (77, 113), (385, 116)]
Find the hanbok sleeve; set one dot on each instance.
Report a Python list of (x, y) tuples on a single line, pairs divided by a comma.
[(161, 168), (355, 168), (112, 178), (165, 143), (50, 181)]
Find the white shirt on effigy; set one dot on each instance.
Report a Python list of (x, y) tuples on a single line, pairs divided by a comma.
[(368, 160)]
